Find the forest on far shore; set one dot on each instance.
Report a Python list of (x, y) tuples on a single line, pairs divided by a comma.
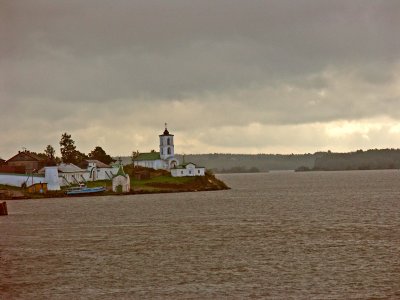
[(374, 159)]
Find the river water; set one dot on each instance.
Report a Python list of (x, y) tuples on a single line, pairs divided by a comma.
[(278, 235)]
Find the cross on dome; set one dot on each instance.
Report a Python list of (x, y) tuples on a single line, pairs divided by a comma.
[(166, 130)]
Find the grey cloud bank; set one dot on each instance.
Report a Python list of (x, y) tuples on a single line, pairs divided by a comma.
[(228, 76)]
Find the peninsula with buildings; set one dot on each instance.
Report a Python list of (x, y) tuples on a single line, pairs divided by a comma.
[(31, 175)]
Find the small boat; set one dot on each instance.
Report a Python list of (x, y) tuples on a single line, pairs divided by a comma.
[(81, 190)]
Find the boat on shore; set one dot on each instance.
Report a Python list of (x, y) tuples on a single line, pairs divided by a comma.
[(81, 190)]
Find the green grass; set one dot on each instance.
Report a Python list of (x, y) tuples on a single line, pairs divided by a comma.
[(9, 187), (99, 183), (144, 183)]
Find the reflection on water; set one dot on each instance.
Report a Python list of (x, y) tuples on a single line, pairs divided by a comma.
[(330, 235)]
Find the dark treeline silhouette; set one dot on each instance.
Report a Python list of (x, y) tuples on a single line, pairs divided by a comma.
[(374, 159), (319, 161), (240, 170), (223, 163), (359, 160)]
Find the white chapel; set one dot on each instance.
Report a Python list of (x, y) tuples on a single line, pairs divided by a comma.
[(165, 159)]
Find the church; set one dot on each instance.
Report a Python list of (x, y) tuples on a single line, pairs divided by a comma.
[(164, 159)]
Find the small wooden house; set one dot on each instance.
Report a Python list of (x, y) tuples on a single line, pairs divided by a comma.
[(31, 162), (37, 188)]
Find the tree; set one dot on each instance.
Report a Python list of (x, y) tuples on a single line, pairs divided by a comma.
[(69, 154), (99, 154), (50, 152), (79, 157), (135, 154), (67, 148), (50, 156)]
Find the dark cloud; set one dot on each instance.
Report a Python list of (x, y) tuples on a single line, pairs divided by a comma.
[(169, 48), (199, 63)]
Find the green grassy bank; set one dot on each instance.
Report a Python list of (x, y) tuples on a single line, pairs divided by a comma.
[(152, 181)]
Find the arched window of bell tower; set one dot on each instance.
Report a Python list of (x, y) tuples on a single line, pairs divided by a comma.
[(169, 150), (168, 142)]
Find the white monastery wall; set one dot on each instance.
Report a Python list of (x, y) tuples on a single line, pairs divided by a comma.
[(19, 179)]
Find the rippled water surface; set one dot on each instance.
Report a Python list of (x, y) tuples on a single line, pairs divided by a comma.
[(280, 235)]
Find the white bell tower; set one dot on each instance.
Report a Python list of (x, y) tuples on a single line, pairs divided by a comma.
[(166, 144)]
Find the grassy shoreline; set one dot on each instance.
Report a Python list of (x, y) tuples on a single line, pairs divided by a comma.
[(157, 183)]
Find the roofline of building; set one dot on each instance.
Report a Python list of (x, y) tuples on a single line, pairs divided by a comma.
[(31, 155)]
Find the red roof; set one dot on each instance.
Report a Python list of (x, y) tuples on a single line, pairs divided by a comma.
[(26, 156)]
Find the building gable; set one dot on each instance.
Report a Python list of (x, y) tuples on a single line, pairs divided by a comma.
[(85, 163), (25, 156), (69, 168)]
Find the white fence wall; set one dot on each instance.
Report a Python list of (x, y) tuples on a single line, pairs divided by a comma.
[(19, 179)]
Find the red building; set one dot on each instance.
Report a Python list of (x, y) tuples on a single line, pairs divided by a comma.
[(25, 162)]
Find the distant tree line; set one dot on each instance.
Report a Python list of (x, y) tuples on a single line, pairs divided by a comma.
[(221, 162), (329, 161), (373, 159), (240, 170), (232, 163)]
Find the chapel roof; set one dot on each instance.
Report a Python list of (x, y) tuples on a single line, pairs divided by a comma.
[(166, 132), (120, 172)]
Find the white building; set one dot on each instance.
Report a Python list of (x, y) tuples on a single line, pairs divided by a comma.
[(67, 174), (51, 178), (71, 174), (121, 182), (165, 159), (189, 169), (98, 170)]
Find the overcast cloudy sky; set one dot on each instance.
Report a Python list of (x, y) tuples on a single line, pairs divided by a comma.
[(226, 75)]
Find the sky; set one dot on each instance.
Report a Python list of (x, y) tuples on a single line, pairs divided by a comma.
[(227, 76)]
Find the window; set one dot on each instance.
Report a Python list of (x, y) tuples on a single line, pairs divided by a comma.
[(162, 151), (168, 141), (198, 171), (169, 150), (190, 171), (181, 172)]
